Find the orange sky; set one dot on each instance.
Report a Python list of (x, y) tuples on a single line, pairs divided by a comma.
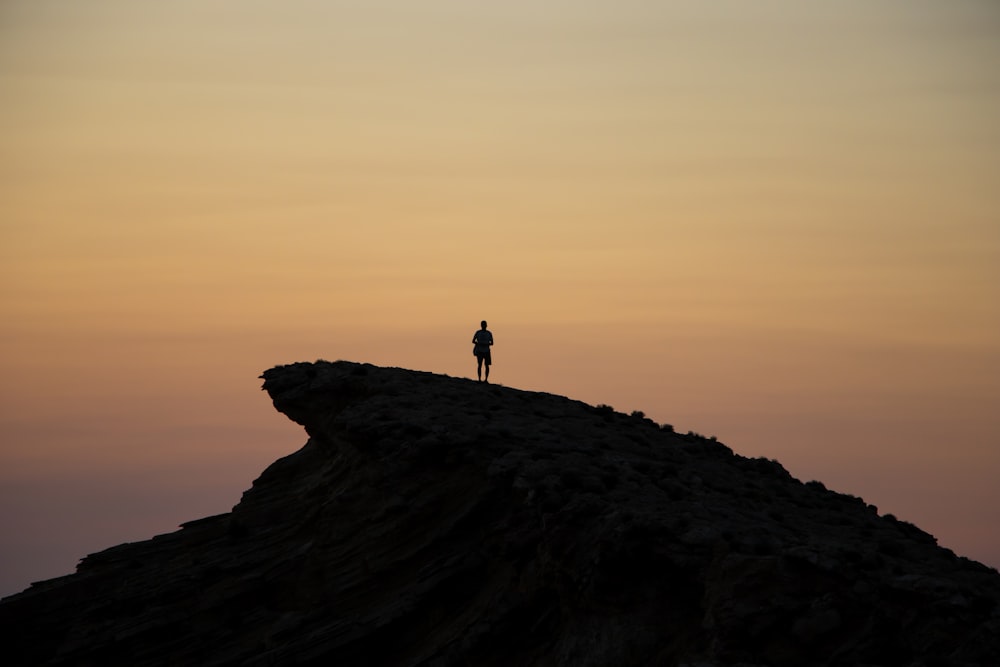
[(775, 222)]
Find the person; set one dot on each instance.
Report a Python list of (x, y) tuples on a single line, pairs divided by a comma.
[(482, 340)]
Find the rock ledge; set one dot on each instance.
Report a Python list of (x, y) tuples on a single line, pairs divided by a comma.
[(437, 521)]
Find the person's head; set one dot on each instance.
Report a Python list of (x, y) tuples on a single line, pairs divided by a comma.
[(483, 324)]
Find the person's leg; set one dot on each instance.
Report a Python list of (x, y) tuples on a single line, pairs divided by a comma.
[(479, 369), (487, 372)]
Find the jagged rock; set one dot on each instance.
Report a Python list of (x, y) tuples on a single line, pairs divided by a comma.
[(436, 521)]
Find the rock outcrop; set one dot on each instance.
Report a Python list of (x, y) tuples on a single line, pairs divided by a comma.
[(436, 521)]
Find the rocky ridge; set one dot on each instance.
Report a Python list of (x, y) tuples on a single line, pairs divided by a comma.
[(436, 521)]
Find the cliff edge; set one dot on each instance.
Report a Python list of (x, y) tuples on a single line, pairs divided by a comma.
[(436, 521)]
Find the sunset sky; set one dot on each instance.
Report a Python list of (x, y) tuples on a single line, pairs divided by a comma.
[(775, 222)]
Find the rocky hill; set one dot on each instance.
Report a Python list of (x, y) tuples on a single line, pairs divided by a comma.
[(437, 521)]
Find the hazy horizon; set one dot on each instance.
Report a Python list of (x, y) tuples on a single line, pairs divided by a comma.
[(777, 223)]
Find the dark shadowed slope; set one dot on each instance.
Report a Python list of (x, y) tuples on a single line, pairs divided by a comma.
[(436, 521)]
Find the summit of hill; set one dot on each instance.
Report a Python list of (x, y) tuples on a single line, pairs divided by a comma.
[(437, 521)]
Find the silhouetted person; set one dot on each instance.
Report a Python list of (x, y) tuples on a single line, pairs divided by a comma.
[(482, 340)]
